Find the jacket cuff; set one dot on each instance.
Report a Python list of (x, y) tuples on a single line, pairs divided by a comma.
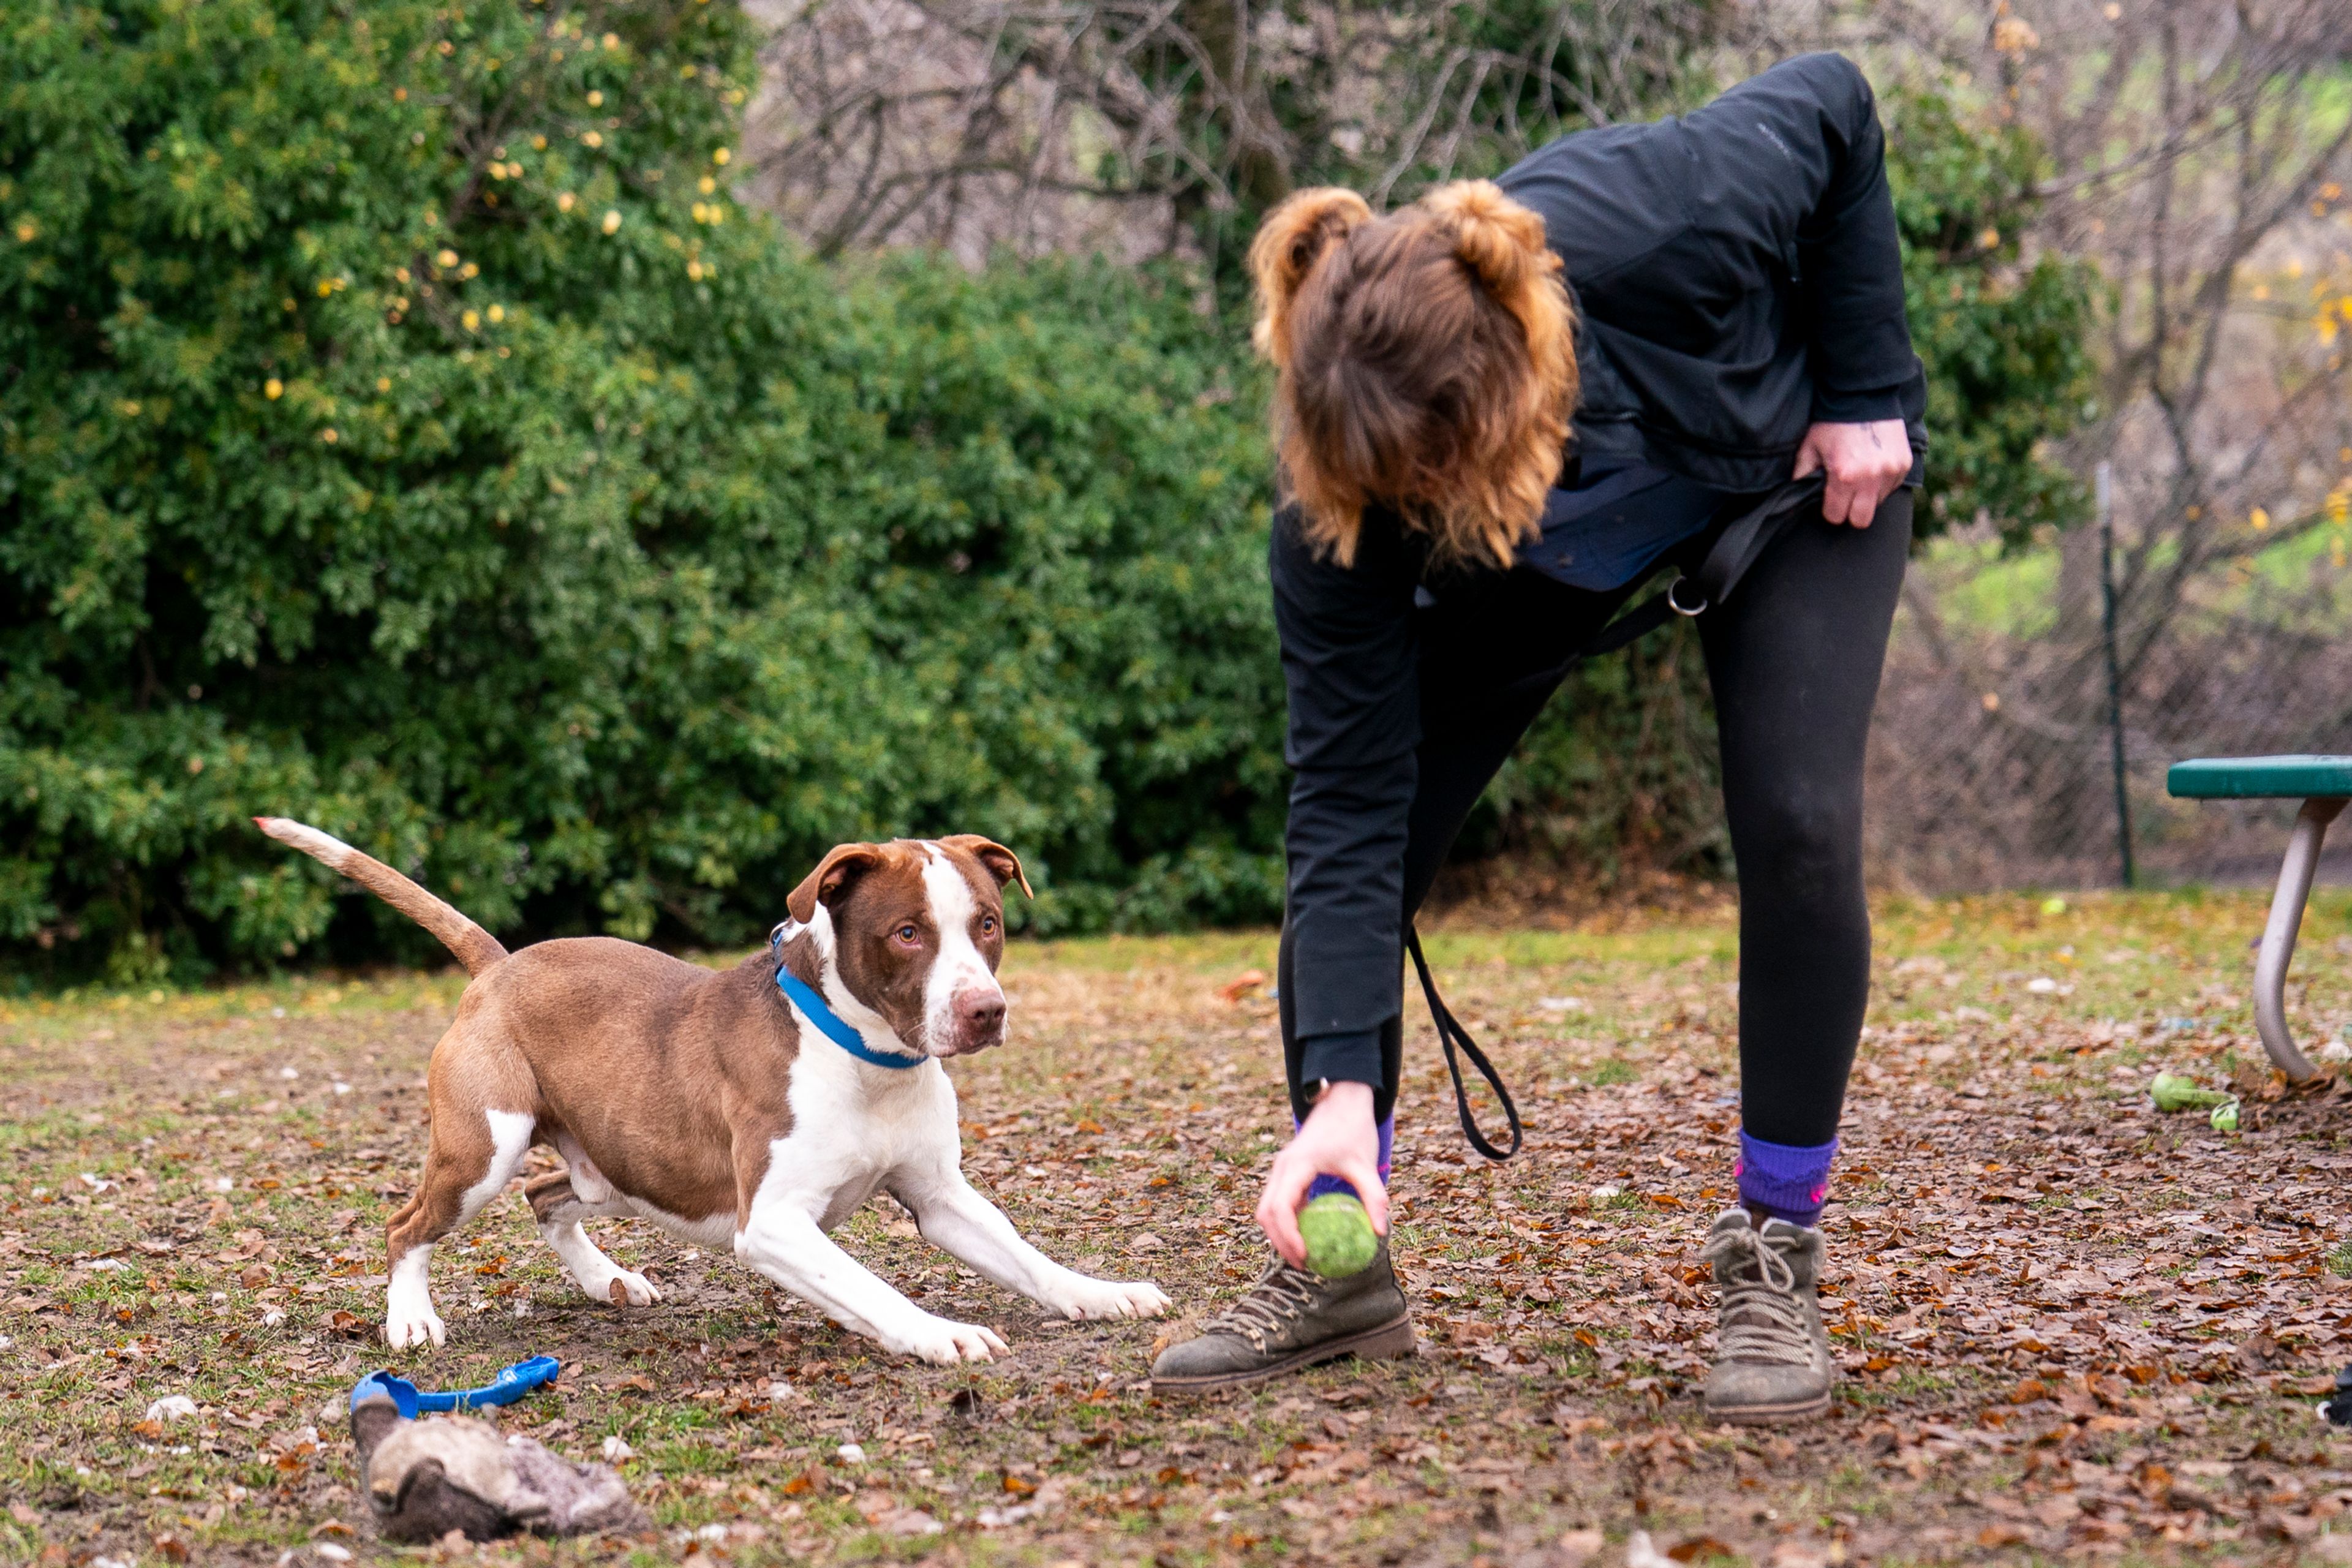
[(1352, 1058), (1857, 407)]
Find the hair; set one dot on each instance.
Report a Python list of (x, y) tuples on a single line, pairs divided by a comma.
[(1424, 361)]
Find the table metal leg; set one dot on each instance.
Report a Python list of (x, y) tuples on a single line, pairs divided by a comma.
[(2278, 937)]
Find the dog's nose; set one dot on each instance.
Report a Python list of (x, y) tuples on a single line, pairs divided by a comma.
[(980, 1014)]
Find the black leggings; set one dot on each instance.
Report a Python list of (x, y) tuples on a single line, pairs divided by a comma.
[(1794, 661)]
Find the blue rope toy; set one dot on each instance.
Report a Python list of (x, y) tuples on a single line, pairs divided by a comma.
[(511, 1384)]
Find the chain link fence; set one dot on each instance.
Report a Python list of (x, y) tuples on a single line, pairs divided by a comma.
[(1993, 761)]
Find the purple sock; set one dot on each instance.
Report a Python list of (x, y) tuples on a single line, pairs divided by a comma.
[(1324, 1184), (1785, 1183)]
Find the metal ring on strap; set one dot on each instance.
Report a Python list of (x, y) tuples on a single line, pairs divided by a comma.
[(1676, 606)]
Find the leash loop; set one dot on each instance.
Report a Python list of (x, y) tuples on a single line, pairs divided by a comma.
[(1450, 1033)]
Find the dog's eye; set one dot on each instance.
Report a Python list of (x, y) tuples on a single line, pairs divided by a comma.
[(987, 925), (909, 934)]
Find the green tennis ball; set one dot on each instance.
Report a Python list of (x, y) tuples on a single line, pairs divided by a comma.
[(2173, 1091), (2225, 1117), (1340, 1238)]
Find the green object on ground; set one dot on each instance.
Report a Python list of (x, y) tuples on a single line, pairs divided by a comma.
[(2174, 1091), (1340, 1236), (2225, 1116), (2260, 778)]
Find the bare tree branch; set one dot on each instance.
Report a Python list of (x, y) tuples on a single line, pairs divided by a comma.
[(1036, 125)]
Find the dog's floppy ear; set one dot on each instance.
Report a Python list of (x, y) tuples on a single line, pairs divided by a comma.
[(1002, 863), (842, 865)]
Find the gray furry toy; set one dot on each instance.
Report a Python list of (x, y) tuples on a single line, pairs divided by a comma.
[(427, 1476)]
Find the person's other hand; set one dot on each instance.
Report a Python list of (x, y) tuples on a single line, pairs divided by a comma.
[(1339, 1139), (1866, 463)]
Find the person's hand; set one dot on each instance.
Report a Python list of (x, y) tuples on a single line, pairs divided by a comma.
[(1866, 464), (1338, 1138)]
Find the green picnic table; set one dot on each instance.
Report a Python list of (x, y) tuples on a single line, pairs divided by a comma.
[(2323, 784)]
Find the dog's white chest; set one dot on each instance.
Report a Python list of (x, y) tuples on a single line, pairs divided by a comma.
[(853, 1127)]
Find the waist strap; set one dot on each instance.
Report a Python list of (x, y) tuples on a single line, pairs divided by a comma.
[(1727, 561)]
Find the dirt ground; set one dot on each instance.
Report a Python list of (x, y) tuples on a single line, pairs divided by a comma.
[(2069, 1326)]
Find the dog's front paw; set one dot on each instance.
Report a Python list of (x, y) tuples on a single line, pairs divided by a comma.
[(627, 1287), (405, 1327), (945, 1344), (1104, 1298)]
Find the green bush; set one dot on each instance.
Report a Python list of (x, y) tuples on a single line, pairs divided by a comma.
[(403, 430), (2006, 345)]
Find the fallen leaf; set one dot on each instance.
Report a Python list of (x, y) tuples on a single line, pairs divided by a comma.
[(1641, 1554), (1240, 984)]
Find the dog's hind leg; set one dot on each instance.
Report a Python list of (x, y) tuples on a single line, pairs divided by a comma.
[(473, 1152), (558, 1207)]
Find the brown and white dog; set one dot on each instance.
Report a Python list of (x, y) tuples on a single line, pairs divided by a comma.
[(709, 1103)]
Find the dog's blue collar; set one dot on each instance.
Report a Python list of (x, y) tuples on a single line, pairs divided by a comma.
[(822, 1014)]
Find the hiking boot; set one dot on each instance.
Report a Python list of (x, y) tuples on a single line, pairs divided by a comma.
[(1290, 1319), (1773, 1362)]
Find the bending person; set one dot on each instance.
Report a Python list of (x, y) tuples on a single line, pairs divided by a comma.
[(1497, 411)]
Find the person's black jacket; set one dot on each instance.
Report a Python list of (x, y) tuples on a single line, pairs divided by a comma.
[(1737, 279)]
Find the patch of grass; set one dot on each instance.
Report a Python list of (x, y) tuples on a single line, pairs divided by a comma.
[(245, 1209)]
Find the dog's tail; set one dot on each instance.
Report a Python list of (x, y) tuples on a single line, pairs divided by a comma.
[(476, 948)]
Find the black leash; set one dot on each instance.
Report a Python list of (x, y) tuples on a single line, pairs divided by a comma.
[(1727, 561), (1450, 1033)]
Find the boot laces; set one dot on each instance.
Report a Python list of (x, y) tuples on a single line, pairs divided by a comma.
[(1274, 1302), (1763, 1317)]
